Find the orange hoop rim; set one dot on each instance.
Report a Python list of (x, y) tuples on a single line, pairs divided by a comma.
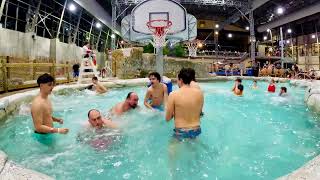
[(157, 28)]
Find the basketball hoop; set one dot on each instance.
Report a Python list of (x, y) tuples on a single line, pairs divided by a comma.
[(193, 47), (159, 29)]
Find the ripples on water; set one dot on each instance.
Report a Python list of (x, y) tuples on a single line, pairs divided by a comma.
[(257, 136)]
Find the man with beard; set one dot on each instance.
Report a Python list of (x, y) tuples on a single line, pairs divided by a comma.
[(131, 102)]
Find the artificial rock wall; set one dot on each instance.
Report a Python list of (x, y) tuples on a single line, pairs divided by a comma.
[(138, 64)]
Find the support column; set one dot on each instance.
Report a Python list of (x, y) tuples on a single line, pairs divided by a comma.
[(53, 49), (159, 60), (114, 21), (252, 37), (77, 28), (61, 18), (1, 9), (281, 45)]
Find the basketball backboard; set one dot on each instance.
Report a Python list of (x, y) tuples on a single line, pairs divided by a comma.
[(134, 26)]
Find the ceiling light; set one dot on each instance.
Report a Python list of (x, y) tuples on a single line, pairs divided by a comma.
[(288, 41), (98, 25), (229, 35), (113, 36), (72, 7), (313, 36), (280, 10), (289, 31), (268, 30), (217, 25), (216, 32), (264, 37), (247, 28)]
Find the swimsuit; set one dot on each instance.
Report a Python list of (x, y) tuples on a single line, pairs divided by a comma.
[(160, 107), (43, 138), (182, 133)]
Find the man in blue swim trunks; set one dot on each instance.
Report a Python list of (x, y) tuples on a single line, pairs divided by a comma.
[(157, 94), (185, 105)]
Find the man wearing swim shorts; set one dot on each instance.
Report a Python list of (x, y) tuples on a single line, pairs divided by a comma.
[(157, 94), (130, 103), (41, 108), (185, 105)]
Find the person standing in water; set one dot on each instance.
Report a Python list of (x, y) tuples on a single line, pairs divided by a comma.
[(157, 94), (185, 111), (41, 108)]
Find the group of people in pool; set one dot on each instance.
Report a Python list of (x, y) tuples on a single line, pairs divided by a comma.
[(238, 88), (183, 105)]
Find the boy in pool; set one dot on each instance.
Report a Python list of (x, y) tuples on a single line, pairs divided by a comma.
[(41, 108), (272, 86), (96, 86), (238, 88), (185, 111), (254, 85), (283, 92), (157, 93)]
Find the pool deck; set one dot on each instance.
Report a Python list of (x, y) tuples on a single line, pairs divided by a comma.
[(11, 103)]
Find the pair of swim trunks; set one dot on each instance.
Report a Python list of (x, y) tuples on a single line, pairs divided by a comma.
[(43, 138), (160, 108), (181, 133)]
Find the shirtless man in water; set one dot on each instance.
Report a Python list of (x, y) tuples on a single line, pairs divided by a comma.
[(41, 108), (193, 82), (157, 94), (185, 105), (131, 102), (97, 87), (97, 121)]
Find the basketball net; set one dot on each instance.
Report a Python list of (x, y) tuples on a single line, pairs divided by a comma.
[(192, 47), (159, 29)]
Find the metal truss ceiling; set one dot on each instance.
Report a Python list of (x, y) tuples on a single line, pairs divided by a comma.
[(230, 3)]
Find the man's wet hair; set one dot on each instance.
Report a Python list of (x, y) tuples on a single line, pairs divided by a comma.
[(129, 95), (45, 78), (94, 78), (156, 75), (284, 89), (192, 73), (91, 111), (239, 80), (255, 81), (185, 75)]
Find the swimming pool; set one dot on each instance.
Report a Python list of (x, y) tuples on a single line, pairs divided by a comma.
[(257, 136)]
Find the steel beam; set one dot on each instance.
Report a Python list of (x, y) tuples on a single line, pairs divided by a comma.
[(94, 8), (307, 11)]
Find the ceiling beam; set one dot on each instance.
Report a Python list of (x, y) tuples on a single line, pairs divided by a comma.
[(244, 11), (94, 8), (307, 11)]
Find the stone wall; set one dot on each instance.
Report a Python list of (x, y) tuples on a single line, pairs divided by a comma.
[(139, 64)]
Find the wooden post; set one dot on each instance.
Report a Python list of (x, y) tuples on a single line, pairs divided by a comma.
[(53, 69), (5, 78), (8, 70), (34, 69), (68, 73)]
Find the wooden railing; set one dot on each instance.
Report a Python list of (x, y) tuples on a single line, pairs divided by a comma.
[(15, 76)]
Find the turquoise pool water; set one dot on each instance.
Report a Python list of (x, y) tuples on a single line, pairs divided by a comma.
[(257, 136)]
